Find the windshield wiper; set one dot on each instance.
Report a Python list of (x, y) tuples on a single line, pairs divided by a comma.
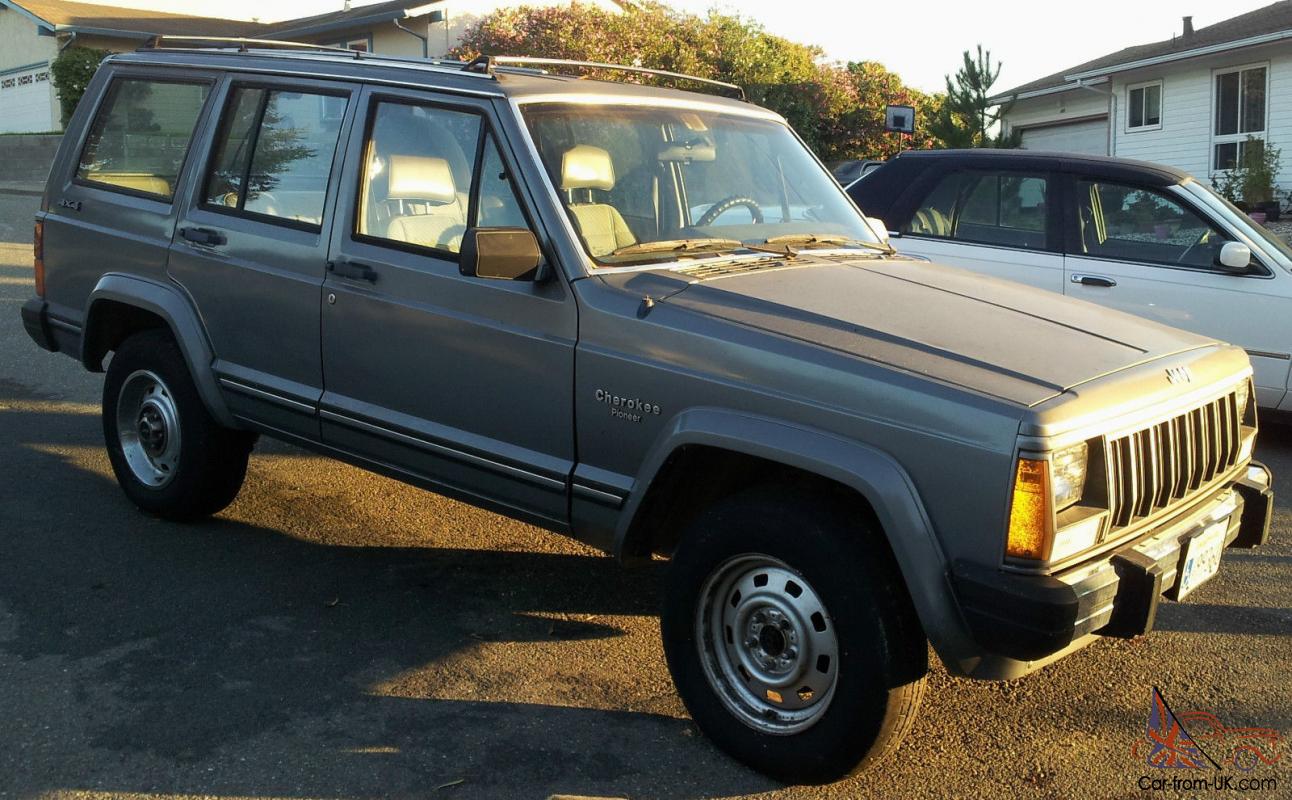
[(679, 246), (790, 240)]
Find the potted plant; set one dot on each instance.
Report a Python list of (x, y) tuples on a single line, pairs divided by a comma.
[(1258, 171)]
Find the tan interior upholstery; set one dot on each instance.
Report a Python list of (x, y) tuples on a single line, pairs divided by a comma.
[(139, 181), (931, 222), (584, 167), (441, 211)]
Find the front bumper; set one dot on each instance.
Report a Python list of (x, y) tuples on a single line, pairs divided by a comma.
[(1029, 618)]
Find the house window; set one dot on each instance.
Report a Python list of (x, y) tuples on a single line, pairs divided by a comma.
[(1240, 113), (1144, 106), (362, 45)]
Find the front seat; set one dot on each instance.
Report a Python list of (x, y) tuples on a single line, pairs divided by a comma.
[(442, 216), (588, 168)]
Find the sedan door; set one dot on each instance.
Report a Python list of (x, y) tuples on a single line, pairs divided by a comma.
[(459, 382), (1152, 253), (1001, 223)]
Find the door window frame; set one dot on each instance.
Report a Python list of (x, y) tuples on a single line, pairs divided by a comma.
[(1055, 202), (1072, 228), (371, 102), (269, 84)]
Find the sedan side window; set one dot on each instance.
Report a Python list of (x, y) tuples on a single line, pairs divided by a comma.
[(996, 208), (1129, 223)]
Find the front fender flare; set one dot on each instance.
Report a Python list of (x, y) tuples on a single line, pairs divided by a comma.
[(174, 308), (872, 473)]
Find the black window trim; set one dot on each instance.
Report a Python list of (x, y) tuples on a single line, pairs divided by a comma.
[(269, 87), (1053, 216), (1072, 231), (114, 79), (485, 133)]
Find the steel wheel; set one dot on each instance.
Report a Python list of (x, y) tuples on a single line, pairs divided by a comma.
[(767, 644), (148, 428)]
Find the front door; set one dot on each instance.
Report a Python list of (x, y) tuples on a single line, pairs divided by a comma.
[(1149, 252), (251, 246), (997, 222), (459, 382)]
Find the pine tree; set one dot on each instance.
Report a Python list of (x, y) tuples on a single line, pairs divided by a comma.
[(967, 118)]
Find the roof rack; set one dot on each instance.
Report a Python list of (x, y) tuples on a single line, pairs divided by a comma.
[(487, 64), (161, 42)]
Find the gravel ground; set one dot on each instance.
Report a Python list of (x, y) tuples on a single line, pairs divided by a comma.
[(336, 634)]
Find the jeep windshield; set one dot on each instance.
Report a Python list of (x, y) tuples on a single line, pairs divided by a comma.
[(645, 185)]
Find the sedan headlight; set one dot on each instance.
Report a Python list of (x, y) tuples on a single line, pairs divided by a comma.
[(1068, 475)]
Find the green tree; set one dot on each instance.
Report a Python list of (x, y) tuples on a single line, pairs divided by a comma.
[(837, 110), (72, 71), (967, 117)]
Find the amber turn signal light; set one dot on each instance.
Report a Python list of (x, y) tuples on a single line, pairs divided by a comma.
[(1031, 518), (38, 257)]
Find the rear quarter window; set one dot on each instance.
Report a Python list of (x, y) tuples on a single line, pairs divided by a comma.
[(141, 135)]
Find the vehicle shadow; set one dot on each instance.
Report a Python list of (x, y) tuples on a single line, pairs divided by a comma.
[(231, 658)]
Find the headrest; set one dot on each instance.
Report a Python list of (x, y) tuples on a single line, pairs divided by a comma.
[(586, 167), (421, 178)]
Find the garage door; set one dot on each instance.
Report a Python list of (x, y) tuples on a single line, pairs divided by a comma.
[(26, 101), (1074, 137)]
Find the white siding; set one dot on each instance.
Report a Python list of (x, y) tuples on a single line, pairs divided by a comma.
[(1184, 140)]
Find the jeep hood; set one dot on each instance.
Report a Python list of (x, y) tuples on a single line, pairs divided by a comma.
[(1003, 339)]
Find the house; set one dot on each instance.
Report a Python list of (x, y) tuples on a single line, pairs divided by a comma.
[(33, 32), (1190, 101)]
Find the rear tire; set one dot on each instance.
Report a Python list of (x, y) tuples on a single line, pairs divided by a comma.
[(791, 637), (170, 457)]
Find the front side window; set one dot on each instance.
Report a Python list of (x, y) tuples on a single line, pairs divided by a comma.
[(274, 154), (1008, 209), (141, 134), (654, 184), (1239, 114), (1144, 106), (1128, 223)]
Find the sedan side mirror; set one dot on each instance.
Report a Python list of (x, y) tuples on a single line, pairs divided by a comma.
[(1235, 257), (879, 227), (505, 254)]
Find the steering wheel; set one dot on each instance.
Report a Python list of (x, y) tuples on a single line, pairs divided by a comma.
[(728, 203), (1203, 241)]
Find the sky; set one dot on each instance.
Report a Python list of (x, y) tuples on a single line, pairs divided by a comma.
[(921, 42)]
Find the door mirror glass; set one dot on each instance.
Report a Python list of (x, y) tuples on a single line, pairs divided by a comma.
[(879, 227), (1235, 256), (505, 254)]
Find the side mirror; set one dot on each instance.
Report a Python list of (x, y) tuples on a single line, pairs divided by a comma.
[(879, 227), (1235, 257), (504, 254)]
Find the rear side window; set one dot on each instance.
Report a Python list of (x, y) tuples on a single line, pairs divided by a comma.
[(998, 208), (140, 136), (274, 154)]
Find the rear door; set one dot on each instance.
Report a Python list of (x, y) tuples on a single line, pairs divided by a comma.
[(251, 245), (999, 222), (462, 383), (1152, 253)]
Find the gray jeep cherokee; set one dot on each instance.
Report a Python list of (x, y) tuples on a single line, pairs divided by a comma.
[(648, 319)]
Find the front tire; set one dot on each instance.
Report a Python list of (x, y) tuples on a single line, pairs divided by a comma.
[(791, 637), (169, 455)]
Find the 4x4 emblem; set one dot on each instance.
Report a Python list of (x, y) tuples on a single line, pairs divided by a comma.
[(1179, 375)]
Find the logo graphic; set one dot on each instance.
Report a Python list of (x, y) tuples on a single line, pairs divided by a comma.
[(1199, 740), (1179, 375)]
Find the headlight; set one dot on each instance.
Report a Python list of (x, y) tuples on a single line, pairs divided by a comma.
[(1244, 395), (1068, 475)]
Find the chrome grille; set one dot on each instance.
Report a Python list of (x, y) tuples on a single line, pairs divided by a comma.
[(1156, 466)]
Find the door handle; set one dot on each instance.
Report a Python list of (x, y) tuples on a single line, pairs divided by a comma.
[(353, 270), (1094, 280), (205, 236)]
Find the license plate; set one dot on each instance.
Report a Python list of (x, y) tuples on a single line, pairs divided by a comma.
[(1202, 558)]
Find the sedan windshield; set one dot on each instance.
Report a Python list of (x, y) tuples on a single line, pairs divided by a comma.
[(652, 184)]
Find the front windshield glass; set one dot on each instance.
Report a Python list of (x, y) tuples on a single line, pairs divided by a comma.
[(645, 184), (1271, 238)]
